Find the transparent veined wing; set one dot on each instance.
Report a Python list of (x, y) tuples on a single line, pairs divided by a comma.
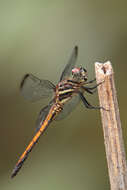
[(70, 65), (69, 107), (33, 88)]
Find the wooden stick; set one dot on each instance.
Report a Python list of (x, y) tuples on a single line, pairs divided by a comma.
[(113, 139)]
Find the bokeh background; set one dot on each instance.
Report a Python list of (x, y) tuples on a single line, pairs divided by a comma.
[(38, 37)]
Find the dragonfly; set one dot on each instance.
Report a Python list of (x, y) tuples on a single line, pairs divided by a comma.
[(66, 95)]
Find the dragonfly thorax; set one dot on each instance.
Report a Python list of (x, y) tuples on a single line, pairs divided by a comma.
[(79, 74)]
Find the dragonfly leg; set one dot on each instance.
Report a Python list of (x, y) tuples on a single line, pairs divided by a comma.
[(87, 104), (91, 81), (88, 90), (91, 88)]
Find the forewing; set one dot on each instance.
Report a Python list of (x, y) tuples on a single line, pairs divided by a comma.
[(69, 107), (70, 65), (33, 88)]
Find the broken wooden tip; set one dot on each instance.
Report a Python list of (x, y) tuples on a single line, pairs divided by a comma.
[(104, 68), (104, 73)]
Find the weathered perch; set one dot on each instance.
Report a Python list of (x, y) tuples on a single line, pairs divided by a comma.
[(113, 139)]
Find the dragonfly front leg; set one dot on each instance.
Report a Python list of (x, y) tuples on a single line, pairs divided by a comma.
[(92, 88), (87, 104), (91, 81), (88, 89)]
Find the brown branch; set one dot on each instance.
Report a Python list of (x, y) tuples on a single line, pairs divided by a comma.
[(113, 139)]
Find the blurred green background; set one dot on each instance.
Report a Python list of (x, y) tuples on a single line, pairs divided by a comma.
[(38, 37)]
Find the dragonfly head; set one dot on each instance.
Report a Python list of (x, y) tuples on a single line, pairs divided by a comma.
[(79, 74)]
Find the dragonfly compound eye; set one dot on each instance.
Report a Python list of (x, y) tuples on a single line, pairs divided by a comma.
[(75, 71), (83, 73)]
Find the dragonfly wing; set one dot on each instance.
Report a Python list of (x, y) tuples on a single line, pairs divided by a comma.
[(70, 65), (42, 115), (69, 107), (33, 88)]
